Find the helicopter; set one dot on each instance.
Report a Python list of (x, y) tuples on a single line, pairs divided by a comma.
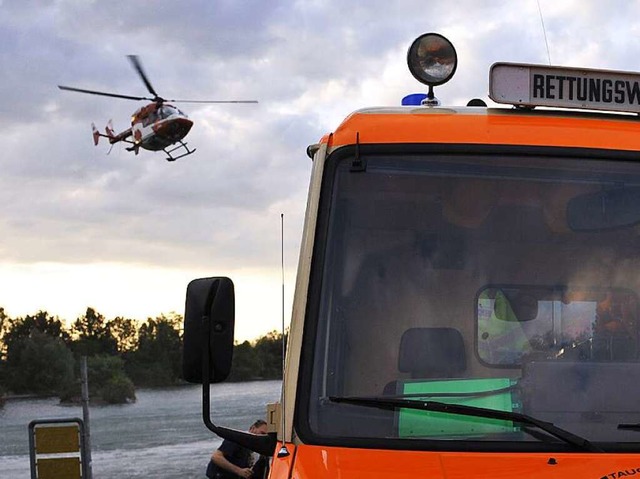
[(155, 126)]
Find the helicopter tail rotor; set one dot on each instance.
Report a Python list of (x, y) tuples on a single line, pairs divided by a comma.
[(96, 134), (109, 129), (109, 133)]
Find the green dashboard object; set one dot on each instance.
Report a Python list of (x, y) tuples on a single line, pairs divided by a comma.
[(491, 393)]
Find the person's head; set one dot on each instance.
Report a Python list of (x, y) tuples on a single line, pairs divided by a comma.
[(258, 427)]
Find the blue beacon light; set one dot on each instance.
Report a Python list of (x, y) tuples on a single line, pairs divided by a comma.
[(414, 99)]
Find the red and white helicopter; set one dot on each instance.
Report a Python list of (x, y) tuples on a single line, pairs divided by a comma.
[(156, 126)]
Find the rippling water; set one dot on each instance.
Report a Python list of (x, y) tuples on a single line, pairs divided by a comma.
[(161, 435)]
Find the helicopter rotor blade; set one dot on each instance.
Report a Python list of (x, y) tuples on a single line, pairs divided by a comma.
[(213, 101), (135, 61), (102, 93)]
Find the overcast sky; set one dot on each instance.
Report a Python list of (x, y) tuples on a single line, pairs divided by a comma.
[(123, 233)]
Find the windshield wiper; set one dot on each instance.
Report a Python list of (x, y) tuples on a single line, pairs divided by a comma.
[(630, 427), (391, 403), (466, 394)]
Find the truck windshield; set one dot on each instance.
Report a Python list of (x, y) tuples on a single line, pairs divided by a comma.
[(506, 281)]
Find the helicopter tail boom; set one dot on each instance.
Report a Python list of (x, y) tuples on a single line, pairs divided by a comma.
[(110, 134)]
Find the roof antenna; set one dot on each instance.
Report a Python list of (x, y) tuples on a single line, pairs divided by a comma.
[(544, 31), (283, 452)]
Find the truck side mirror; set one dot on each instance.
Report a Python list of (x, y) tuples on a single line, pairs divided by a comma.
[(209, 316)]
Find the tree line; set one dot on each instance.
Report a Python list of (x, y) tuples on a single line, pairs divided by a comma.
[(40, 355)]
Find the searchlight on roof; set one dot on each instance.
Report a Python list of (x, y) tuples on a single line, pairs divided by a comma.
[(432, 60)]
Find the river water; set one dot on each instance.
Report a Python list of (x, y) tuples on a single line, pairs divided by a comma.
[(161, 435)]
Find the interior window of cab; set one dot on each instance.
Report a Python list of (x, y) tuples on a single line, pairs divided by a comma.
[(521, 323)]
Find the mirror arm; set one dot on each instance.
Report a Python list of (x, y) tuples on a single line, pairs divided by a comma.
[(262, 444)]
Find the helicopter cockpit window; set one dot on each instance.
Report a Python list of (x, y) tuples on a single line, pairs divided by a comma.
[(150, 118), (516, 324), (167, 110)]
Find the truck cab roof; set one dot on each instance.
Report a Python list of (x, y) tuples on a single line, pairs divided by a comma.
[(488, 126)]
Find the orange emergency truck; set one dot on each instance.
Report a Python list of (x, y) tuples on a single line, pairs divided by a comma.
[(467, 295)]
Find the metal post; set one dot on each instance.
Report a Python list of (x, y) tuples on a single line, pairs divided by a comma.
[(85, 414)]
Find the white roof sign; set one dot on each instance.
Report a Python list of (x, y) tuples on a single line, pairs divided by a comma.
[(538, 85)]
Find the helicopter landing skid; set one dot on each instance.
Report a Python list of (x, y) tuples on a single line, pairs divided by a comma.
[(182, 144)]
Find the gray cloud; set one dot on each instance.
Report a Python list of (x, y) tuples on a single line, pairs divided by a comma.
[(308, 63)]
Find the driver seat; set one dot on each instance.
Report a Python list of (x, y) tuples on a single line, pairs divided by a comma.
[(430, 353)]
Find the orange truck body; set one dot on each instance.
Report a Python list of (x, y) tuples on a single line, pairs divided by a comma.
[(321, 462), (465, 128), (497, 126)]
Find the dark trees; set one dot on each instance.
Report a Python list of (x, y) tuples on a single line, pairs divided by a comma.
[(36, 357), (39, 355), (157, 358), (39, 364), (93, 336), (263, 360)]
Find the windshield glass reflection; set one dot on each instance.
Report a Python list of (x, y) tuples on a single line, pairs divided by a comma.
[(459, 278)]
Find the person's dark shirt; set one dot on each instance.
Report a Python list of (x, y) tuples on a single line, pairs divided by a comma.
[(235, 454)]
